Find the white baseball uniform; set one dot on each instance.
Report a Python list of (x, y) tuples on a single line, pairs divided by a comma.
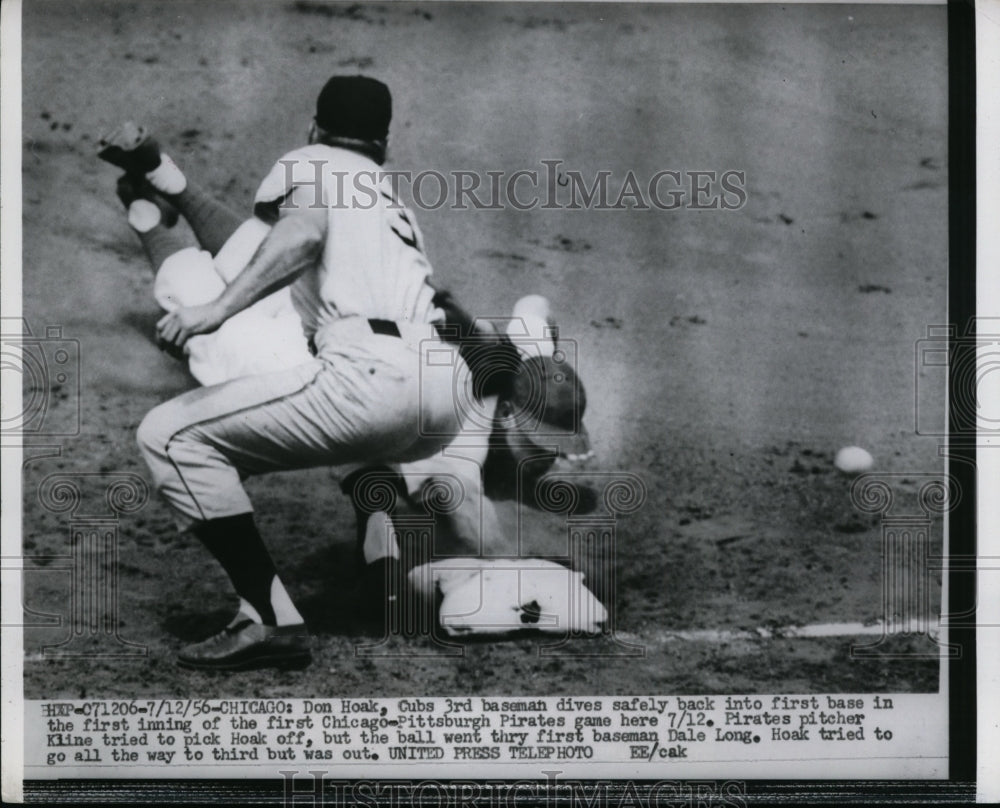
[(369, 395), (479, 596), (263, 338), (268, 336), (239, 421)]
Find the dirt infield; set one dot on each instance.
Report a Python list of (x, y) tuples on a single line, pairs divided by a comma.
[(727, 353)]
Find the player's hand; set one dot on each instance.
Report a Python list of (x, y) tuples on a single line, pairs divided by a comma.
[(176, 328)]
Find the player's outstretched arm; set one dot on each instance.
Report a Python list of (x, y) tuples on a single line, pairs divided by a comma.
[(293, 244)]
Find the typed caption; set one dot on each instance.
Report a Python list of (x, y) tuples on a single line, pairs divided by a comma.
[(655, 735)]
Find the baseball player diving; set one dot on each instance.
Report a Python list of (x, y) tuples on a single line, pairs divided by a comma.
[(311, 324)]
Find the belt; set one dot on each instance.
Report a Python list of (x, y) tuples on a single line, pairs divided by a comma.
[(386, 328)]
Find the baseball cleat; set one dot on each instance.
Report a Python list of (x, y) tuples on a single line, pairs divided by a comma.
[(130, 147), (244, 644), (132, 187)]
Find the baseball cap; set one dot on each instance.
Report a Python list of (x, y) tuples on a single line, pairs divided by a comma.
[(355, 106), (550, 400)]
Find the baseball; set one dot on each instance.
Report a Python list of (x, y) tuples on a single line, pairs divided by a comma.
[(853, 460)]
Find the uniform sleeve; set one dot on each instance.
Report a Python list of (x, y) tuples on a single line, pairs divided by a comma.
[(291, 170)]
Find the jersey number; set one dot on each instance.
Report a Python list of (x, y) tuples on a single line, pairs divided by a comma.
[(405, 229)]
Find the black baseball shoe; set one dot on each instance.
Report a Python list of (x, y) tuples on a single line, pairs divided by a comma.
[(131, 147), (244, 644), (132, 187)]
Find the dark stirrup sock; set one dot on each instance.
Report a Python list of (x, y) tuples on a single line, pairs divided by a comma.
[(212, 221), (237, 545), (162, 242)]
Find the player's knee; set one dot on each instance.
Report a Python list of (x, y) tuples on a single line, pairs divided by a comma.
[(155, 431)]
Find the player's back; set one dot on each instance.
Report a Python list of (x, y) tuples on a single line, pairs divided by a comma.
[(373, 264)]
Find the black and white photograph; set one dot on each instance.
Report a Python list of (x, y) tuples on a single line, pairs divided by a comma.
[(489, 356)]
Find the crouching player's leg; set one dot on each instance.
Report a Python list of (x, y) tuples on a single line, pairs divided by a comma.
[(330, 411), (199, 447)]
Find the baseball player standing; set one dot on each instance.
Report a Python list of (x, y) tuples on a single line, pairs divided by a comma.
[(359, 281), (480, 587), (268, 336)]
